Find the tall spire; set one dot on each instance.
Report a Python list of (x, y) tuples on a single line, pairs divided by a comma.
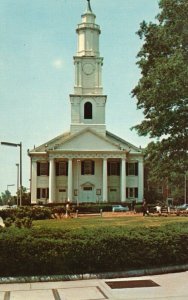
[(89, 6), (88, 90)]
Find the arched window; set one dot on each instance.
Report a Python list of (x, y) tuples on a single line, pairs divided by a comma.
[(87, 110)]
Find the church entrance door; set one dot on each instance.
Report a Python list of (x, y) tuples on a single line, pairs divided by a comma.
[(62, 195), (87, 194), (113, 194)]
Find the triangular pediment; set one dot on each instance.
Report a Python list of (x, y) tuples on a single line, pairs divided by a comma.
[(87, 184), (87, 140)]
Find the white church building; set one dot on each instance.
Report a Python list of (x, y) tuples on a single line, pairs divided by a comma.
[(88, 163)]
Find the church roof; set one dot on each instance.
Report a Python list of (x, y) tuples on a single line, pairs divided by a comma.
[(122, 141)]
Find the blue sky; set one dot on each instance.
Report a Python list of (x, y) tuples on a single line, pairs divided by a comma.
[(38, 42)]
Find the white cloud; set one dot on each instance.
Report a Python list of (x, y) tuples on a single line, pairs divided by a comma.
[(58, 63)]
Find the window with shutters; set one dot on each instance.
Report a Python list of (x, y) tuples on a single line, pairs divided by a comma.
[(62, 168), (113, 168), (132, 192), (132, 169), (42, 193), (88, 110), (42, 168), (88, 167)]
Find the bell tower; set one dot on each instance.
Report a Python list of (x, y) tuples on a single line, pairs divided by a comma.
[(88, 102)]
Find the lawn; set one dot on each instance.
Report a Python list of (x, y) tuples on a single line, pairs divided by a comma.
[(136, 221)]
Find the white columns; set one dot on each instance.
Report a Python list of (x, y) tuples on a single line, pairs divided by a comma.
[(70, 180), (140, 180), (105, 180), (33, 181), (52, 185), (123, 181)]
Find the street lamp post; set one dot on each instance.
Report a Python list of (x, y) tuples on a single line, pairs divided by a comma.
[(10, 185), (17, 145), (17, 165)]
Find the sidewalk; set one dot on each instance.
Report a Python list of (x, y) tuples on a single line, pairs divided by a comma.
[(173, 286)]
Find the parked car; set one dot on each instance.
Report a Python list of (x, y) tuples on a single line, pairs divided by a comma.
[(119, 208), (182, 207)]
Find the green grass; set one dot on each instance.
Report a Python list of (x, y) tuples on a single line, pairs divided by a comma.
[(98, 222)]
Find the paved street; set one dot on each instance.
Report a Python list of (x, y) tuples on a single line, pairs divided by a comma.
[(172, 286)]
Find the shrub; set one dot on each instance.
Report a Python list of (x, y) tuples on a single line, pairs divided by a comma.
[(62, 251), (138, 208), (18, 223), (8, 222), (27, 222), (32, 212)]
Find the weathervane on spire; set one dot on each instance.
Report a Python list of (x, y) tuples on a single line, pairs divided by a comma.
[(89, 6)]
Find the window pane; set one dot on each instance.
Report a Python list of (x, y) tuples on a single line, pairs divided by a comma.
[(62, 168), (131, 168), (87, 188), (114, 168), (88, 167), (88, 110), (44, 168), (43, 193), (131, 192), (38, 193)]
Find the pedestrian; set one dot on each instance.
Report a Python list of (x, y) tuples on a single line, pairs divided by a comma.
[(145, 208), (67, 208)]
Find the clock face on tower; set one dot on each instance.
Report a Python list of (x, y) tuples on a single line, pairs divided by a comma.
[(88, 68)]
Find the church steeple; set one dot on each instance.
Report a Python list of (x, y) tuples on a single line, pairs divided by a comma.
[(88, 34), (88, 101)]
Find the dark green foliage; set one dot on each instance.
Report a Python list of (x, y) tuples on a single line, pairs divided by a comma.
[(153, 197), (25, 222), (138, 208), (18, 223), (162, 91), (87, 250), (58, 210), (8, 222), (93, 208), (34, 213)]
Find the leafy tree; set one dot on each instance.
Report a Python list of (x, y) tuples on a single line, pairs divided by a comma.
[(26, 197), (6, 197), (162, 91), (164, 171)]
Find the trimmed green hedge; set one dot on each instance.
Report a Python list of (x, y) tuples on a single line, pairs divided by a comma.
[(49, 252), (92, 208), (47, 212), (34, 213)]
